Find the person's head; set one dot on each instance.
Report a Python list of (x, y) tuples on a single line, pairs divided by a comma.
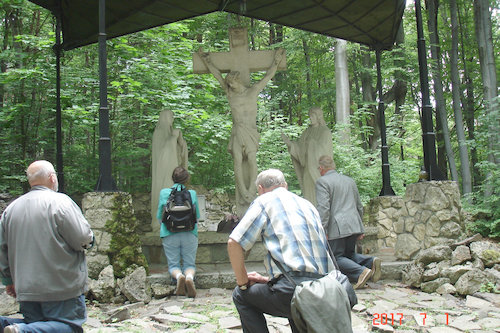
[(42, 173), (269, 179), (180, 175), (316, 116), (326, 163)]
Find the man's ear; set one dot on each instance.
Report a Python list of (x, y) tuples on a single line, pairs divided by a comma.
[(260, 189)]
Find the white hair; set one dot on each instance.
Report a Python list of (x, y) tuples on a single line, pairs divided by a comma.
[(39, 170), (270, 178)]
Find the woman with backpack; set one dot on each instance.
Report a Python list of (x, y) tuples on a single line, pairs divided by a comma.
[(178, 213)]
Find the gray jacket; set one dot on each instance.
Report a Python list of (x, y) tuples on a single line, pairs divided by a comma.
[(339, 205), (43, 235)]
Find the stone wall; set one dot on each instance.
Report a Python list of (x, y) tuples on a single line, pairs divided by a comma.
[(430, 213)]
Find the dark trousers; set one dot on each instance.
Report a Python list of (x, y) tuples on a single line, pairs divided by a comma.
[(352, 264), (258, 299)]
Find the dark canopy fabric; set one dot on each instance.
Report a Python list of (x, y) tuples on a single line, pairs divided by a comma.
[(370, 22)]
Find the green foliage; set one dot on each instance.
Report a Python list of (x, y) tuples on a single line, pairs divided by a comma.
[(273, 152), (150, 71), (489, 287), (484, 203)]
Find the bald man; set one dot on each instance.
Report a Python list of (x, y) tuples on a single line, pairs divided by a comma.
[(43, 235)]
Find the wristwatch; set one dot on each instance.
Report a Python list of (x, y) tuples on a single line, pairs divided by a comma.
[(244, 286)]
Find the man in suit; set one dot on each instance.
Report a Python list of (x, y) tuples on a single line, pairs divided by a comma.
[(341, 212)]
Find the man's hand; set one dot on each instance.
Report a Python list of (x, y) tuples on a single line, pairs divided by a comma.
[(360, 237), (255, 277), (11, 290)]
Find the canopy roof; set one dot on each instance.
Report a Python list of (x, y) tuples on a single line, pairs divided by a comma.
[(370, 22)]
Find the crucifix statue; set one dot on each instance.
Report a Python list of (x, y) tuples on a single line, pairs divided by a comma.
[(242, 97)]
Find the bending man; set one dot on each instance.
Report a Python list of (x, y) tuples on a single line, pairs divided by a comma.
[(43, 235)]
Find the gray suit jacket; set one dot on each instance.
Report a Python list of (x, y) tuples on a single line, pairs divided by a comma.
[(339, 205)]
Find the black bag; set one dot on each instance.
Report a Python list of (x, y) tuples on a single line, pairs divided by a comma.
[(179, 213), (228, 223)]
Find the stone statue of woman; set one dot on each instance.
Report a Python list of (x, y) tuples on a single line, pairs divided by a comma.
[(169, 151), (314, 142)]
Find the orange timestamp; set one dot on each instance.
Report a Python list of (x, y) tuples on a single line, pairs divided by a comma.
[(397, 318)]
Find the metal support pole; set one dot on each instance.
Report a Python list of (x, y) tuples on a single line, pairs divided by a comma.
[(428, 135), (105, 183), (386, 175), (59, 151)]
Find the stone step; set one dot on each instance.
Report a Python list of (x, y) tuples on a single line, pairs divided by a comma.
[(221, 275)]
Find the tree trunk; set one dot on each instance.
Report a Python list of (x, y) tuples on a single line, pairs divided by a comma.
[(307, 58), (342, 91), (455, 87), (482, 19), (468, 104), (369, 101), (436, 71)]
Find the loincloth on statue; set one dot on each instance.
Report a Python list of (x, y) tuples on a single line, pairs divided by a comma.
[(244, 137)]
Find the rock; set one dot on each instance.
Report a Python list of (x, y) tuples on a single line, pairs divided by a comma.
[(435, 199), (460, 254), (434, 254), (160, 290), (451, 230), (488, 252), (446, 288), (490, 297), (471, 282), (432, 286), (412, 274), (8, 305), (96, 262), (135, 286), (455, 272), (103, 289), (118, 315), (430, 274), (406, 246)]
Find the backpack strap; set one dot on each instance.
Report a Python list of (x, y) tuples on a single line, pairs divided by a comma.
[(283, 271)]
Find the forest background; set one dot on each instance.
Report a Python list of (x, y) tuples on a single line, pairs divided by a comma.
[(151, 71)]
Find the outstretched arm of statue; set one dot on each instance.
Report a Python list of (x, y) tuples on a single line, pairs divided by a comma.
[(205, 57), (278, 56), (292, 147)]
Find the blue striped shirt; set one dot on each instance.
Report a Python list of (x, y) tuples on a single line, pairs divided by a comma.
[(290, 229)]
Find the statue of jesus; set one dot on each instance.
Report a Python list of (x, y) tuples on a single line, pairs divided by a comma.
[(244, 141)]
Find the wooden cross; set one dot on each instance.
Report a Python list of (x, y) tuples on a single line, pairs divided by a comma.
[(239, 58)]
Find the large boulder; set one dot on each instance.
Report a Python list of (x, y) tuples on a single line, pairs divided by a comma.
[(434, 254), (96, 262), (103, 289), (412, 274), (135, 286), (471, 282), (488, 252)]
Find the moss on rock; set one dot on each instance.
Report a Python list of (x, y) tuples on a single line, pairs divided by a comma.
[(125, 246)]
